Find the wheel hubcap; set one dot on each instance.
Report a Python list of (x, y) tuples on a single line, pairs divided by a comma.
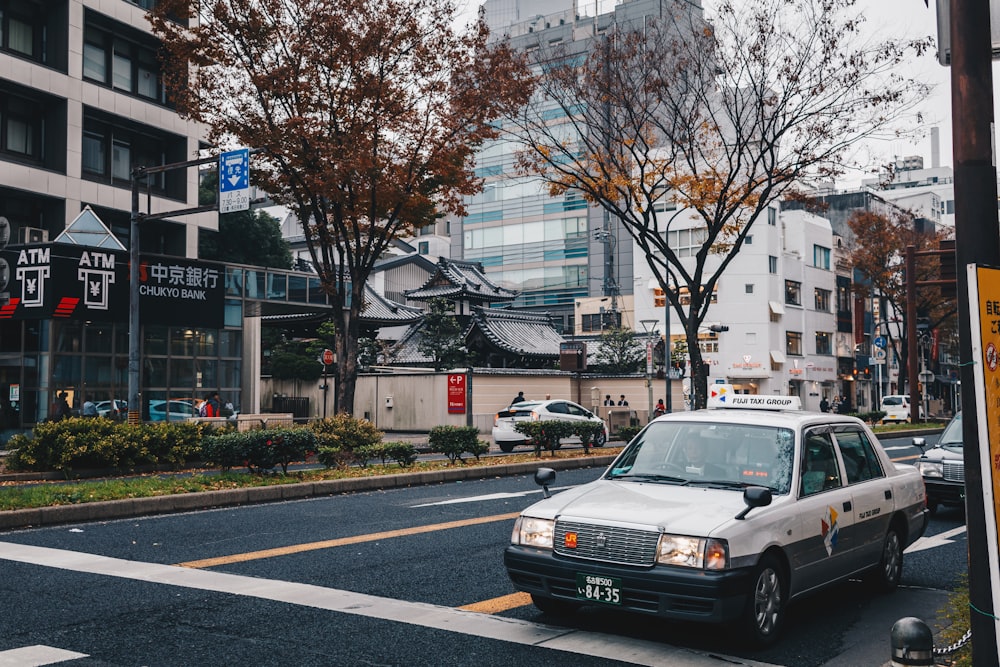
[(892, 557), (767, 601)]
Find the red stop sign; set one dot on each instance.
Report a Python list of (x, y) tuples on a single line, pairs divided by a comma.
[(327, 357)]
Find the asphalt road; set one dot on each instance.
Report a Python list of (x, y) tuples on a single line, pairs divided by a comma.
[(410, 576)]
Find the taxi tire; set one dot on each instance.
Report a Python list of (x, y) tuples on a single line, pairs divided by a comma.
[(764, 614), (890, 565), (600, 440), (506, 447), (553, 606)]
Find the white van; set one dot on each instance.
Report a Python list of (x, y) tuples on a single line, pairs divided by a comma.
[(897, 408)]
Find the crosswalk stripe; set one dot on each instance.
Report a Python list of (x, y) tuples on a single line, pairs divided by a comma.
[(36, 656)]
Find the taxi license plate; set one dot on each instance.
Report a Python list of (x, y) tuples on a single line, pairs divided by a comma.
[(598, 589)]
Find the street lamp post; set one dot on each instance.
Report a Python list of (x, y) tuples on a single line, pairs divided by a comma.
[(649, 327)]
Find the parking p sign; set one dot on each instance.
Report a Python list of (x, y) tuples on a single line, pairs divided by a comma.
[(234, 181)]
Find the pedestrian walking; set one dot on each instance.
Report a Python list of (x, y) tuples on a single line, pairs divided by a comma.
[(519, 398)]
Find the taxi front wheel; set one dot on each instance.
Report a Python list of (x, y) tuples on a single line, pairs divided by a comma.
[(764, 614)]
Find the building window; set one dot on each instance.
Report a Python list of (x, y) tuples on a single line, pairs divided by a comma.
[(111, 149), (793, 293), (824, 342), (122, 63), (821, 257), (423, 247), (687, 242), (749, 288), (823, 300), (749, 240), (21, 126), (772, 264), (793, 343), (684, 295), (772, 217)]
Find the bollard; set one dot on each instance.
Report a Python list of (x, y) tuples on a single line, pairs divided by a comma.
[(912, 643)]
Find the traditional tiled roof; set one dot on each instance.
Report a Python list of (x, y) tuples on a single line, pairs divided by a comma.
[(407, 352), (380, 310), (518, 332), (456, 279)]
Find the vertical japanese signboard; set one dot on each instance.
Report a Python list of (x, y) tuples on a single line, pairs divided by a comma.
[(456, 393), (984, 311)]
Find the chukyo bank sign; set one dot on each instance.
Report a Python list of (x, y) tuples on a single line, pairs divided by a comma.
[(65, 281)]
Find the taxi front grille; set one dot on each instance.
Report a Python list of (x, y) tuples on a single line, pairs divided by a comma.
[(609, 544), (953, 472)]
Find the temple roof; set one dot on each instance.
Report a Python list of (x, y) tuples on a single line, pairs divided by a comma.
[(455, 279), (518, 332), (380, 310)]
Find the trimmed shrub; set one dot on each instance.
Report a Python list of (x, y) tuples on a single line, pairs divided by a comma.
[(453, 441), (339, 439), (626, 433), (260, 450), (402, 453), (546, 434), (82, 443)]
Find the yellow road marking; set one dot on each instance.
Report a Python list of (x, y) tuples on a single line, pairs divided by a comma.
[(497, 605), (343, 541)]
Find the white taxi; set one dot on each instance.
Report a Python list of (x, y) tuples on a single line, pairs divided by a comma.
[(723, 515)]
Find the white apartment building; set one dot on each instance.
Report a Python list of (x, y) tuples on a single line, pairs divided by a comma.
[(778, 298)]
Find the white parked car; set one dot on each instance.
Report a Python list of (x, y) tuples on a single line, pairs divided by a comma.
[(897, 408), (171, 411), (113, 409), (723, 515), (507, 437)]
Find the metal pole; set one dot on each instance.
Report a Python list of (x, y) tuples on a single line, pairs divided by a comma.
[(134, 338), (977, 241), (668, 356)]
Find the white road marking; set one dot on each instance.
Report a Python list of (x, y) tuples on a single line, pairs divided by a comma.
[(491, 496), (939, 540), (36, 656), (421, 614)]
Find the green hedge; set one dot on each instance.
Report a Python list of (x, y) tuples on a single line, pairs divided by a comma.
[(344, 440), (260, 450), (453, 441), (546, 434), (82, 443)]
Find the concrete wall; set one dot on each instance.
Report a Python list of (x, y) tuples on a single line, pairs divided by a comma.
[(419, 399)]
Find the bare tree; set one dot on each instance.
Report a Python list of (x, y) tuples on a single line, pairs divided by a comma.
[(369, 111), (719, 119)]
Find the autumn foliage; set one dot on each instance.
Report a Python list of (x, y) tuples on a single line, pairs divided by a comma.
[(369, 112)]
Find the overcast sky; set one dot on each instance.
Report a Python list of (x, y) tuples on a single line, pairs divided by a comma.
[(894, 19)]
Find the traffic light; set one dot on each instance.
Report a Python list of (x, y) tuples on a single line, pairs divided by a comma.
[(868, 373), (855, 372)]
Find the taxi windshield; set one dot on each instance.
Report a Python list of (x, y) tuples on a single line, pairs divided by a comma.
[(695, 453)]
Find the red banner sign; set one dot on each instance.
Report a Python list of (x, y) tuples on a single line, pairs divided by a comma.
[(456, 393)]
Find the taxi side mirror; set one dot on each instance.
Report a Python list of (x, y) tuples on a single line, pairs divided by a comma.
[(921, 443), (754, 496), (543, 478)]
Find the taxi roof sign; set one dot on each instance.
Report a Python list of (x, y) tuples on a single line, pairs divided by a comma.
[(725, 396)]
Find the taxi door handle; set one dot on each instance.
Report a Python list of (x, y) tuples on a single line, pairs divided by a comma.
[(888, 494), (847, 506)]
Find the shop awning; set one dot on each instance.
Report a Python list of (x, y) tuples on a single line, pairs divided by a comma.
[(776, 307), (777, 356)]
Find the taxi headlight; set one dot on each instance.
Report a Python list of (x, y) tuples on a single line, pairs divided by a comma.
[(699, 552), (930, 468), (532, 532)]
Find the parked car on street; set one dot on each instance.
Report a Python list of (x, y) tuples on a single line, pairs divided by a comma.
[(507, 437), (943, 467), (723, 515), (897, 408), (113, 409), (171, 410)]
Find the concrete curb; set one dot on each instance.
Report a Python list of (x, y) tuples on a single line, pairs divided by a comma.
[(131, 507)]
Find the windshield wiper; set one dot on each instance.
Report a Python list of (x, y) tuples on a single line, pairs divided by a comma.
[(649, 477), (727, 484)]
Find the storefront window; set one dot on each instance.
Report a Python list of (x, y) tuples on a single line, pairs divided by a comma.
[(10, 336), (156, 340), (181, 373), (98, 338), (68, 336), (229, 343), (182, 342), (98, 370), (155, 372)]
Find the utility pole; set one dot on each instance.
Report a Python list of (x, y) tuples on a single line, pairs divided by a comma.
[(977, 241)]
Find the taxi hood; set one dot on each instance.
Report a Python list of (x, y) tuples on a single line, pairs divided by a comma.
[(688, 510)]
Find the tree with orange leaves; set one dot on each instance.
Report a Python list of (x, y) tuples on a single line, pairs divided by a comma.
[(880, 239), (369, 113), (712, 120)]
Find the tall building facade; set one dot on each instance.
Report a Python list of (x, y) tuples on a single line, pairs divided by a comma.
[(555, 251)]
